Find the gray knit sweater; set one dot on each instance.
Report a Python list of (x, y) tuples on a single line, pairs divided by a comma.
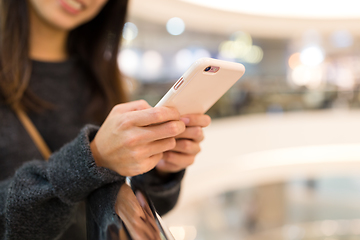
[(40, 200)]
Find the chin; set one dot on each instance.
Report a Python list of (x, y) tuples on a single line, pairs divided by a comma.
[(64, 22), (66, 25)]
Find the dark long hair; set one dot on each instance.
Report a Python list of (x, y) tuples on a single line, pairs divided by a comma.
[(95, 44)]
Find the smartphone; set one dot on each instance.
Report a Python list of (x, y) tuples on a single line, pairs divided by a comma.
[(202, 85)]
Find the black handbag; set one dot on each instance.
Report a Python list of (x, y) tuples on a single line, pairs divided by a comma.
[(104, 224)]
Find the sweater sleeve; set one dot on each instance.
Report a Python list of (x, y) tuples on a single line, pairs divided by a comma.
[(39, 200)]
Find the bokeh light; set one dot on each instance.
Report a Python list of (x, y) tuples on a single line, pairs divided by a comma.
[(341, 39), (311, 37), (128, 61), (185, 57), (345, 78), (152, 63), (294, 60), (183, 60), (242, 37), (234, 49), (130, 31), (308, 76), (183, 232), (312, 56), (178, 232), (240, 47), (201, 53), (175, 26), (254, 55)]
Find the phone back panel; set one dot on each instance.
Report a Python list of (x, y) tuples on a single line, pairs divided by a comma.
[(197, 90)]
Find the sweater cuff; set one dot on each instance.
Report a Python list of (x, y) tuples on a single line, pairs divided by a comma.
[(72, 170), (159, 185)]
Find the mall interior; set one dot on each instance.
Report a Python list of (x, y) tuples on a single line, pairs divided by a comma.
[(281, 158)]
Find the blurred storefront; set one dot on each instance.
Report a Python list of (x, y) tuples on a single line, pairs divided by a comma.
[(292, 62), (280, 160)]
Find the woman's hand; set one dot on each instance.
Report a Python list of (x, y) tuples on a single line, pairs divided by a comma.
[(134, 136), (136, 214), (187, 145)]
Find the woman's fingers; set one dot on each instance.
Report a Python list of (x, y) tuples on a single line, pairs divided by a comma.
[(166, 167), (143, 135), (180, 157), (194, 133), (153, 116), (161, 131), (152, 161), (133, 137), (186, 146), (174, 162), (182, 152), (199, 120), (159, 146)]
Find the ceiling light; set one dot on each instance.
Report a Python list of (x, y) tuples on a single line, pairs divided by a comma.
[(312, 56), (175, 26), (319, 9)]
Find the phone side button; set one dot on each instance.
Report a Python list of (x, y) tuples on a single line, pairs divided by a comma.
[(178, 84)]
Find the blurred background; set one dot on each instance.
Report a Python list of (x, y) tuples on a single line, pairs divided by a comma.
[(281, 159)]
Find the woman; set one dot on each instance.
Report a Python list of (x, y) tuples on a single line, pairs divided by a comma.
[(58, 63)]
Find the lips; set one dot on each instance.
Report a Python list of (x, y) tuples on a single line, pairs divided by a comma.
[(72, 6)]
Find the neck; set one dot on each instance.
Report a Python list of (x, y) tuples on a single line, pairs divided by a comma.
[(47, 43)]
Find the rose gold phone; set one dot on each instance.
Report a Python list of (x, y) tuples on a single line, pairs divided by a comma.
[(202, 85)]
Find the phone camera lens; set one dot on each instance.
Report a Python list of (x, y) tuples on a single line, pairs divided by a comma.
[(207, 69)]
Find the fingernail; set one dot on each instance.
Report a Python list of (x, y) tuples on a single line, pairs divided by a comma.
[(185, 120)]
